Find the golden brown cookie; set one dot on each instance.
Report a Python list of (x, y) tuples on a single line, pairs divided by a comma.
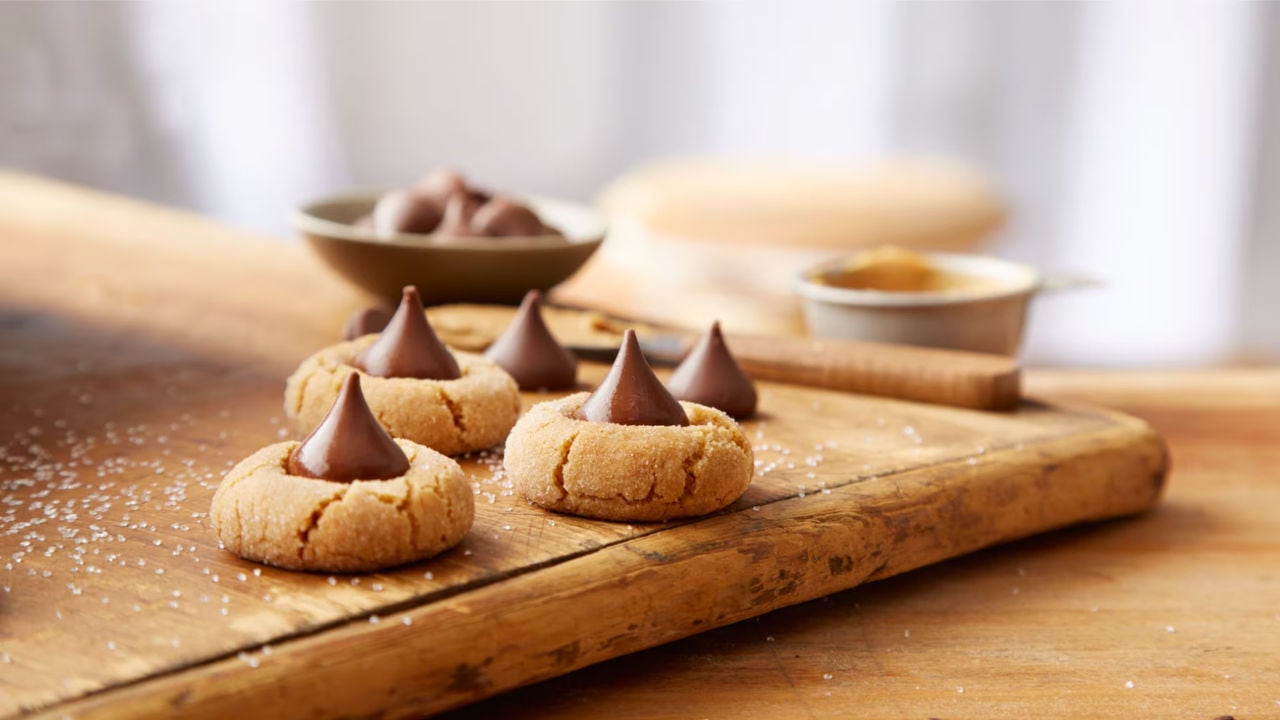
[(451, 416), (262, 513), (628, 472)]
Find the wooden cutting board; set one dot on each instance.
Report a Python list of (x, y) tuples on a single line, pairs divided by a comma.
[(123, 604), (135, 376)]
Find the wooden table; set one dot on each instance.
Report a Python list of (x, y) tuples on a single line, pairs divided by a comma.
[(1173, 614)]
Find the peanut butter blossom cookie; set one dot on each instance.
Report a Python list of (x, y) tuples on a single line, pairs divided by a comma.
[(348, 498), (450, 401), (629, 451)]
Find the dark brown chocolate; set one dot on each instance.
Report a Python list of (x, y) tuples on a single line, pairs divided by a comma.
[(501, 217), (366, 322), (405, 211), (631, 394), (528, 351), (441, 185), (458, 211), (348, 444), (408, 347), (709, 375)]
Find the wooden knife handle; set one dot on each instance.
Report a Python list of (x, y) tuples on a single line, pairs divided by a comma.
[(940, 377)]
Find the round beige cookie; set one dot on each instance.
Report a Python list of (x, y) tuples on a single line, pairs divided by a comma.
[(262, 513), (628, 472), (450, 416)]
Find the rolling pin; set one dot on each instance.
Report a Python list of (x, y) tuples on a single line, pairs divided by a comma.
[(928, 375)]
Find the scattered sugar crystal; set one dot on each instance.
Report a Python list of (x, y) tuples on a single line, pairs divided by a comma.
[(333, 580), (428, 575), (827, 676), (257, 572), (1129, 684), (374, 619)]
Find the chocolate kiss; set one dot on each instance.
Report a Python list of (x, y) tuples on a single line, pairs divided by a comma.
[(408, 347), (458, 210), (402, 211), (502, 218), (441, 184), (709, 375), (631, 394), (366, 322), (348, 444), (527, 350)]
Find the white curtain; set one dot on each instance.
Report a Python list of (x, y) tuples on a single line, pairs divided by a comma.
[(1133, 139)]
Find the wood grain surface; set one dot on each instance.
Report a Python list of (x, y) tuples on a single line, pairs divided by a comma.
[(120, 374)]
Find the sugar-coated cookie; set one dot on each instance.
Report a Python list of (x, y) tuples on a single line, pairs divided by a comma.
[(628, 472), (469, 413), (262, 513)]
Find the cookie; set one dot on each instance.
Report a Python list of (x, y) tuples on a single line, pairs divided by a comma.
[(470, 413), (628, 472), (262, 513)]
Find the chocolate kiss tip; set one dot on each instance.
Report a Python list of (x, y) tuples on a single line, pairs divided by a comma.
[(348, 444), (709, 375), (631, 394), (408, 347), (529, 352)]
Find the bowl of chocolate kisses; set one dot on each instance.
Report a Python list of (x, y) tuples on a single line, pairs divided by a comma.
[(454, 241)]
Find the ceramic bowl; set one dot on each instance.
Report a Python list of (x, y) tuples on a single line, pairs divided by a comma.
[(482, 270), (989, 318)]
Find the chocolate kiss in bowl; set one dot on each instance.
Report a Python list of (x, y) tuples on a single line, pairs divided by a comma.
[(631, 394), (502, 218), (440, 185), (348, 444), (709, 375), (403, 211), (408, 347), (528, 351), (458, 211)]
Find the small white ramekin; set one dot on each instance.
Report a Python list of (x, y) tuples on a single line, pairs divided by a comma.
[(989, 319)]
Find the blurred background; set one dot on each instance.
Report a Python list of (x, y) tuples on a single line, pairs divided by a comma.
[(1132, 142)]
